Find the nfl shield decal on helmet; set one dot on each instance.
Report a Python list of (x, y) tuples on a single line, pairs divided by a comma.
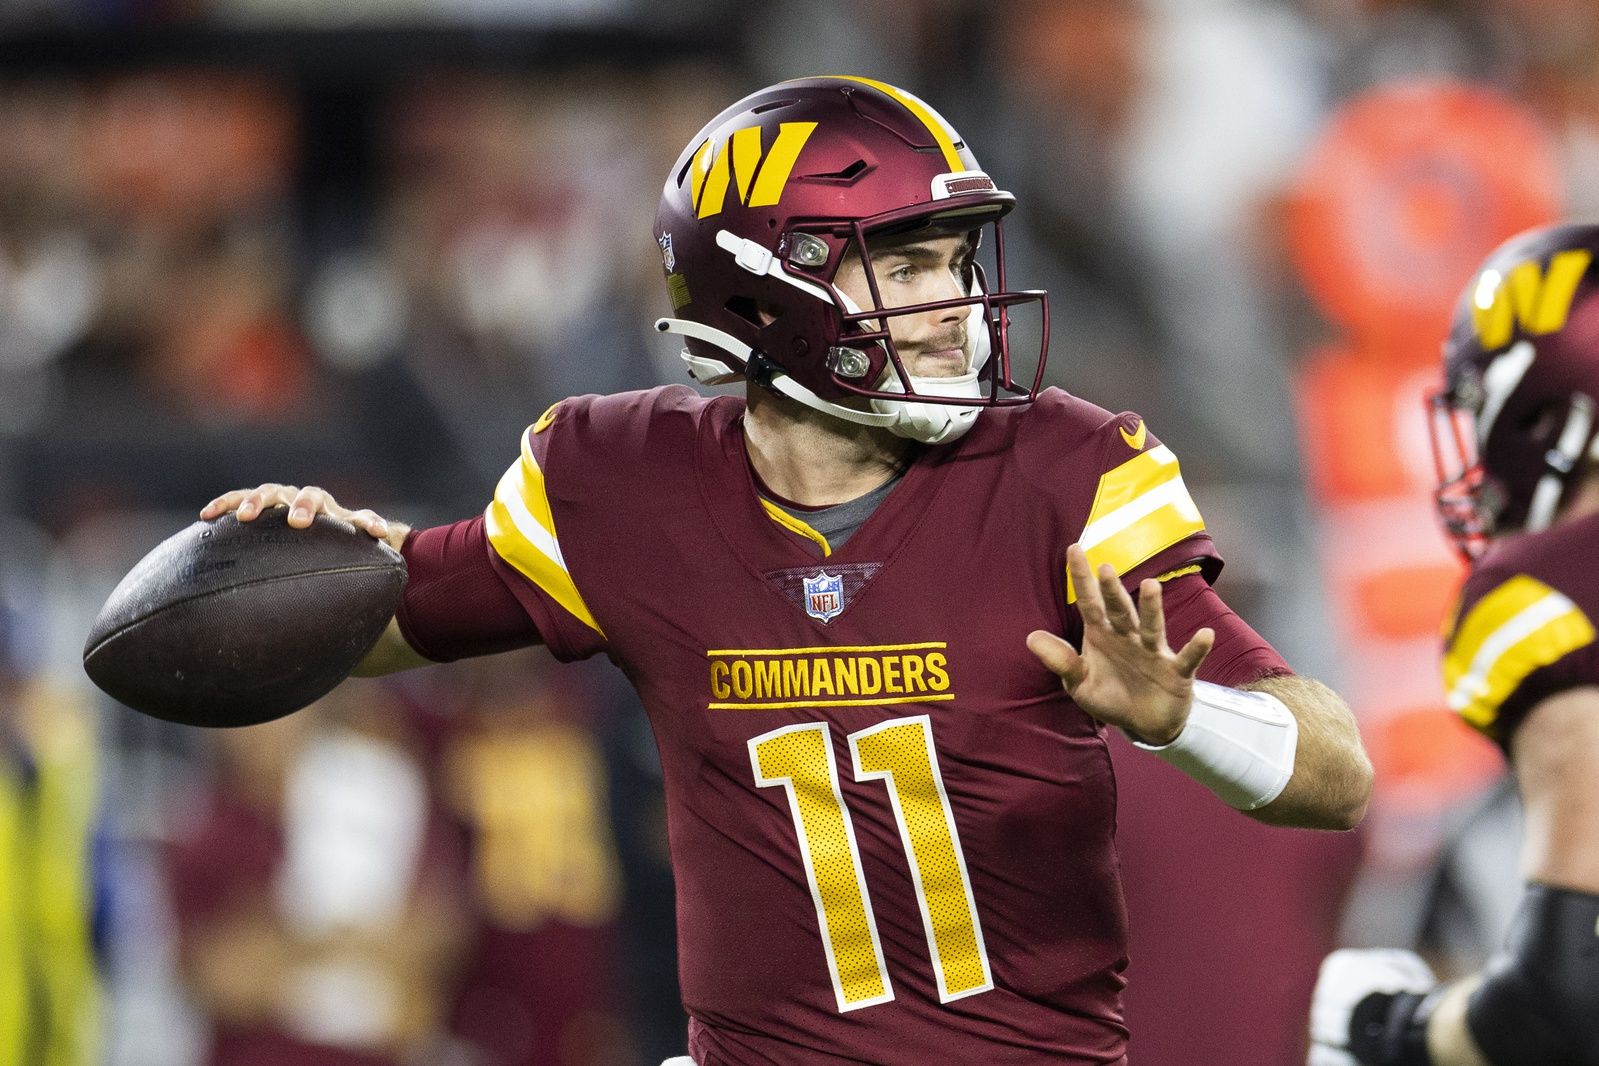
[(824, 596), (668, 258)]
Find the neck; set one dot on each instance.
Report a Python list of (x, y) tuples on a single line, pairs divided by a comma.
[(814, 459), (1582, 499)]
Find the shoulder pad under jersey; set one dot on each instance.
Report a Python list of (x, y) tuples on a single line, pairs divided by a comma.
[(1522, 628)]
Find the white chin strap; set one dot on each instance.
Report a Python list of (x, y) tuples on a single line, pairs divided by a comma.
[(1575, 437), (932, 423), (929, 423), (937, 423), (942, 422), (715, 372)]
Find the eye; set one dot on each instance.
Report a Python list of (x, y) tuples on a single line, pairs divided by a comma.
[(902, 273)]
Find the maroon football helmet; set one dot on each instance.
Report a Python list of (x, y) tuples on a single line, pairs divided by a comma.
[(1517, 413), (767, 201)]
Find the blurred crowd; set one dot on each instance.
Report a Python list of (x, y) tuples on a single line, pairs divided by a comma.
[(272, 259)]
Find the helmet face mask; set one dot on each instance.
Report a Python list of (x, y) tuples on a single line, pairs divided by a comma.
[(770, 201), (1513, 428), (1467, 503), (867, 360)]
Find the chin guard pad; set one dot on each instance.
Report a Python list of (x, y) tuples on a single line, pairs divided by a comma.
[(1538, 1004)]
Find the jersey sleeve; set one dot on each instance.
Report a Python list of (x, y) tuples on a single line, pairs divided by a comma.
[(1142, 521), (524, 538), (1240, 655), (1515, 640), (457, 602)]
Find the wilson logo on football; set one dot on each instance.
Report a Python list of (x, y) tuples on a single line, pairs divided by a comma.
[(761, 171)]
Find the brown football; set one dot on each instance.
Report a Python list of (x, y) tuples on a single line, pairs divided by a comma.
[(230, 623)]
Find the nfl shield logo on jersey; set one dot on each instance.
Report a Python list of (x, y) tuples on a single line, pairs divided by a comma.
[(824, 596)]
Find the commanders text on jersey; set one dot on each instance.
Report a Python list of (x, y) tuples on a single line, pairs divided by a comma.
[(908, 673)]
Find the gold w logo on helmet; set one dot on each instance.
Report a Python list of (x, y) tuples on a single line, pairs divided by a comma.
[(1537, 301), (761, 172)]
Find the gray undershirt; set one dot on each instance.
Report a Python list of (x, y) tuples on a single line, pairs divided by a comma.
[(839, 522)]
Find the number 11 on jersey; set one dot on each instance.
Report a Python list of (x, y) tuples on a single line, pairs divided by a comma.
[(899, 752)]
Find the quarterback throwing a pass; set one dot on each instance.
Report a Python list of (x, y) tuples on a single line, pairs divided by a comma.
[(1515, 433), (880, 610)]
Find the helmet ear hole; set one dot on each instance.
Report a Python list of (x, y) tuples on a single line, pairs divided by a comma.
[(750, 311), (745, 309), (758, 313)]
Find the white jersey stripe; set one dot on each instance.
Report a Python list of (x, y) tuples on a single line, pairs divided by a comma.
[(1169, 493), (530, 528)]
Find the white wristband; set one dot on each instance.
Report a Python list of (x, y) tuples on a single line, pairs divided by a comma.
[(1240, 745)]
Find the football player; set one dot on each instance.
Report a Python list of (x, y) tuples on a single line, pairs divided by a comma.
[(880, 609), (1514, 433)]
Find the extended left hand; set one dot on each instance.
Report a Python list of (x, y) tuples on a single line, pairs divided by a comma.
[(1126, 674)]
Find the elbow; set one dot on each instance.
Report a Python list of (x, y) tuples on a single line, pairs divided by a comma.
[(1335, 802), (1349, 808), (1347, 817)]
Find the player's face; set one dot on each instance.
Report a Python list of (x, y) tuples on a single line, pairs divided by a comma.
[(931, 344)]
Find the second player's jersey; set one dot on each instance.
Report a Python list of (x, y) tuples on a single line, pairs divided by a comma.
[(1523, 629), (891, 830)]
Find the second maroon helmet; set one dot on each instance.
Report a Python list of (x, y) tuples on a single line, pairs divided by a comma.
[(1519, 411), (767, 201)]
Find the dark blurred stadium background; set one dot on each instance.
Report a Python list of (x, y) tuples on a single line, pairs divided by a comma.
[(362, 243)]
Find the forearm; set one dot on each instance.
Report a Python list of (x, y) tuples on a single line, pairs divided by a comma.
[(1449, 1040), (1332, 777), (391, 654)]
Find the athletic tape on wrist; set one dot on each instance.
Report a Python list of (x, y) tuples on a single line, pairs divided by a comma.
[(1240, 745)]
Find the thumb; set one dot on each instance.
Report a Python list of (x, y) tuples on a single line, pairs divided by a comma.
[(1055, 653)]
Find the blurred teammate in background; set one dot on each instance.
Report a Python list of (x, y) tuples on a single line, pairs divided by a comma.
[(53, 875), (890, 802), (1515, 435)]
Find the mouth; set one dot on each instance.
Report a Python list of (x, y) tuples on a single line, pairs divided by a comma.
[(941, 363)]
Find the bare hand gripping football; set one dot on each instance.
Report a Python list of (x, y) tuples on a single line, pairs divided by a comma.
[(243, 618)]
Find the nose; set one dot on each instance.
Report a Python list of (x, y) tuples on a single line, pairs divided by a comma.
[(950, 290)]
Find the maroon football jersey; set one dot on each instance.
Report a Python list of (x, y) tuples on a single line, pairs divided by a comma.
[(1522, 630), (892, 831)]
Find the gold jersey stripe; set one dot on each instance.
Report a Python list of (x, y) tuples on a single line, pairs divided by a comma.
[(546, 418), (790, 704), (1487, 617), (521, 530), (1518, 628), (836, 649), (1182, 571), (935, 125), (796, 525), (1141, 508)]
